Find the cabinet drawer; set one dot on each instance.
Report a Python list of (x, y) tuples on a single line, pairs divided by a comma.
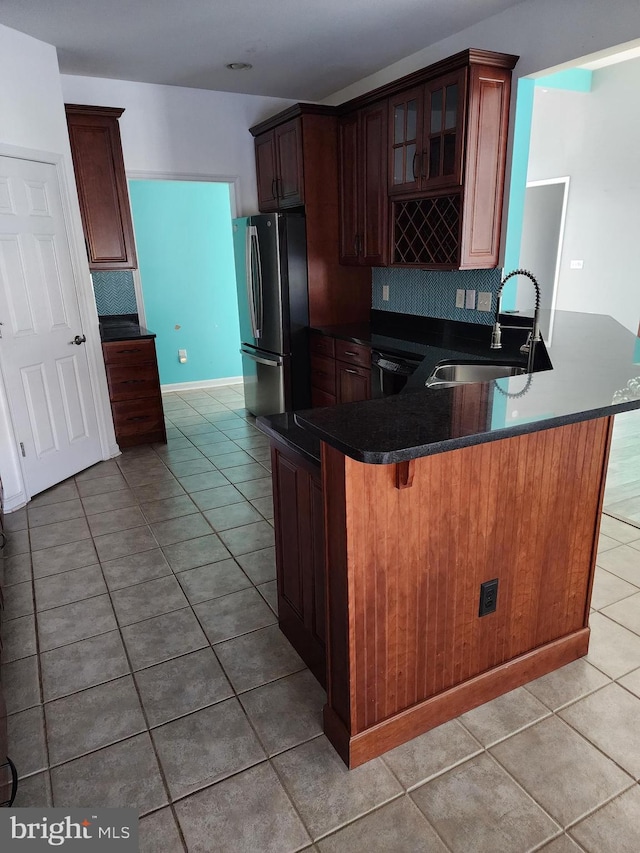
[(323, 373), (131, 383), (321, 398), (321, 345), (137, 416), (129, 352), (353, 353)]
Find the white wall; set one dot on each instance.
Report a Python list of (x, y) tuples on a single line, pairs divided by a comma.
[(595, 138), (171, 129), (544, 33)]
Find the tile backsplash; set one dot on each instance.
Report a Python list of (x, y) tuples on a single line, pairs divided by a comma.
[(429, 293), (114, 292)]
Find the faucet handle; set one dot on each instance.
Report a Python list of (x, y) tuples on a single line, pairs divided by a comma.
[(496, 336)]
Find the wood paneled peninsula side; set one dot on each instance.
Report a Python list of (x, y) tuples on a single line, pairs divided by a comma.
[(392, 514)]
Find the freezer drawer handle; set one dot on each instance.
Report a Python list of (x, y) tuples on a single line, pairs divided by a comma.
[(270, 362)]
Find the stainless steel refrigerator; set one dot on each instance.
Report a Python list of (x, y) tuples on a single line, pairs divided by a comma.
[(271, 274)]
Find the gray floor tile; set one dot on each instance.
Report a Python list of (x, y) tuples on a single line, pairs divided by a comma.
[(264, 506), (77, 621), (17, 569), (561, 770), (116, 520), (181, 686), (249, 537), (26, 741), (103, 469), (233, 459), (199, 482), (618, 530), (216, 446), (260, 565), (163, 637), (158, 833), (86, 663), (221, 496), (34, 792), (195, 552), (255, 659), (16, 520), (609, 719), (495, 720), (75, 555), (21, 684), (50, 535), (564, 685), (260, 488), (206, 746), (191, 466), (234, 515), (159, 491), (399, 827), (17, 543), (65, 491), (431, 754), (101, 485), (18, 601), (561, 844), (111, 500), (612, 648), (260, 454), (625, 612), (179, 454), (18, 639), (92, 719), (608, 588), (135, 568), (605, 543), (269, 591), (67, 587), (145, 475), (213, 580), (631, 682), (286, 712), (246, 814), (125, 542), (253, 471), (168, 508), (477, 806), (327, 794), (623, 561), (125, 774), (180, 529), (234, 614), (614, 827), (144, 600), (55, 513)]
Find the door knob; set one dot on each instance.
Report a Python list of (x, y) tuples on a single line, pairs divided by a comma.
[(78, 340)]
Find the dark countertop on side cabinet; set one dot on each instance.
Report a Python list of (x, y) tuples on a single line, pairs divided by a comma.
[(122, 327), (593, 357)]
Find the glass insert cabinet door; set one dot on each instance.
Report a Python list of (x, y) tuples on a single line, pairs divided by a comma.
[(405, 131), (444, 130)]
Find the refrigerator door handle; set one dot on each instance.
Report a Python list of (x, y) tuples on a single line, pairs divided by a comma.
[(269, 362), (254, 281)]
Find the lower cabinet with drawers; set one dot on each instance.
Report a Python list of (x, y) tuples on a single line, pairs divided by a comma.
[(134, 391), (340, 370)]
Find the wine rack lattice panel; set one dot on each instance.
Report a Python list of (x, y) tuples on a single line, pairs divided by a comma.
[(427, 231)]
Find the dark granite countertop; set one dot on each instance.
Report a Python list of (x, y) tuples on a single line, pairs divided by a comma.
[(122, 327), (592, 356), (283, 426)]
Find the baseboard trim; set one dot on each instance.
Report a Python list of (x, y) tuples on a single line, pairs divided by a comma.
[(201, 383), (16, 501), (411, 722)]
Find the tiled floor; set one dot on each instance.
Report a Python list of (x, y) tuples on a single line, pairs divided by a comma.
[(145, 667)]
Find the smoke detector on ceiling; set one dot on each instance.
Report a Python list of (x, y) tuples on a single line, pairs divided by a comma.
[(239, 66)]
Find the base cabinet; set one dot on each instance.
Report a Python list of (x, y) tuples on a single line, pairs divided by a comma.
[(340, 371), (299, 526)]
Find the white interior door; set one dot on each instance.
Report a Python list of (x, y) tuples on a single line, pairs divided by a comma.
[(46, 375)]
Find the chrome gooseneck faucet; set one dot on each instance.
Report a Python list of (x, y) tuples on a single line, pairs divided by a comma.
[(528, 347)]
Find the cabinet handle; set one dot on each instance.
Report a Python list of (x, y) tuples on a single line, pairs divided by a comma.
[(126, 351), (139, 418), (131, 381), (423, 160), (349, 352), (349, 370), (274, 188), (416, 172), (279, 188)]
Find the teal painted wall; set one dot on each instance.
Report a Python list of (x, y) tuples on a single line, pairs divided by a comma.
[(572, 79), (185, 254)]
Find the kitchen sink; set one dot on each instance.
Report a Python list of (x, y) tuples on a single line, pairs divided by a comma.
[(459, 373)]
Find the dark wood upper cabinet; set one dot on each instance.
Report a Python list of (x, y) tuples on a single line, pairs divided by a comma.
[(279, 167), (405, 140), (363, 186), (96, 150)]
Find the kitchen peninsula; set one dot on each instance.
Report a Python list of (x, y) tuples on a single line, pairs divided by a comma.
[(388, 548)]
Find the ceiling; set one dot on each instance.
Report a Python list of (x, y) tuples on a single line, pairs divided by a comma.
[(299, 49)]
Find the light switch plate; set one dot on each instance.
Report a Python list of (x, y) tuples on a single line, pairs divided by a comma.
[(484, 300), (471, 299), (459, 298), (385, 292)]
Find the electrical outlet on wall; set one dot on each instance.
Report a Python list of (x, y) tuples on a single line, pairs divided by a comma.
[(471, 299), (484, 300), (459, 298), (385, 292), (182, 356)]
